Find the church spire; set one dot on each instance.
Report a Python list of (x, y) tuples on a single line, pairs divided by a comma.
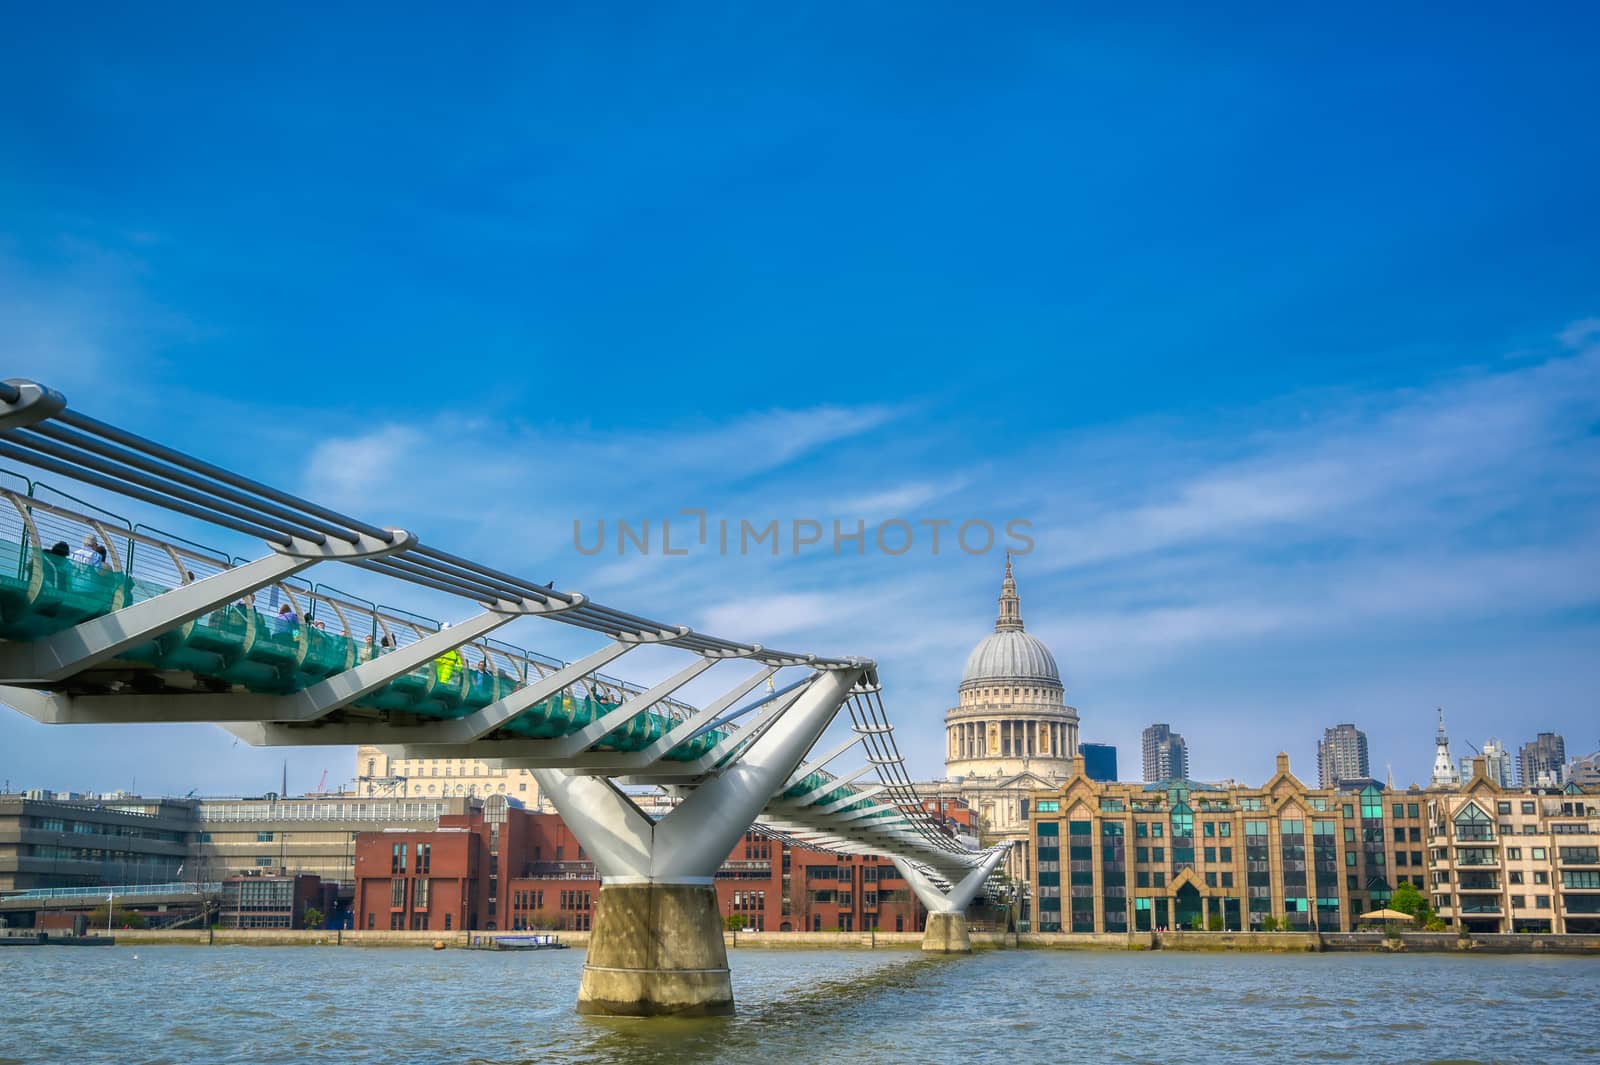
[(1010, 619), (1444, 767)]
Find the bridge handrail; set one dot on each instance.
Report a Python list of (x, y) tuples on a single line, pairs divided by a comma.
[(177, 887)]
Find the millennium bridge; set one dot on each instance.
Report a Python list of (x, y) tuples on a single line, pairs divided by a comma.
[(104, 621)]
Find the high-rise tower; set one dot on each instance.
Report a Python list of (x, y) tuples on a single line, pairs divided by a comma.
[(1342, 755)]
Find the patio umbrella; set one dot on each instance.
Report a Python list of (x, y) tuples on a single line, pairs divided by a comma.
[(1386, 915)]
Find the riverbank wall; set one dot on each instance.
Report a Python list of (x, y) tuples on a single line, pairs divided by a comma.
[(1255, 942)]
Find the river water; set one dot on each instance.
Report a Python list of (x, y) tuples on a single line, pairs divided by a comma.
[(263, 1005)]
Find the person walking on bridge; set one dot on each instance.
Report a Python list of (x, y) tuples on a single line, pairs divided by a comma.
[(450, 663)]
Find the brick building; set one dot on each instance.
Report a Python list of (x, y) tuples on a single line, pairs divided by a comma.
[(502, 867)]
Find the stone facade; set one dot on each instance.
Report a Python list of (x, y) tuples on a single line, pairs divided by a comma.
[(1011, 731), (1176, 854), (1515, 859)]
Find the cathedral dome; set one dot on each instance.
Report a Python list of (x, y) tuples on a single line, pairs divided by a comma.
[(1010, 654)]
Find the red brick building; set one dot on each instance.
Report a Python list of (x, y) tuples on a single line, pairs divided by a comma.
[(503, 868)]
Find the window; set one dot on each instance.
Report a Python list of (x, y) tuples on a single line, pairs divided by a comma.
[(1048, 806), (1160, 879), (1527, 808), (1502, 807), (1515, 876), (1227, 880), (397, 893), (263, 837), (1349, 835), (1411, 810), (1227, 829), (397, 858), (1209, 829), (1371, 804), (424, 857), (1227, 854), (1541, 877), (1211, 856), (1399, 810), (1473, 824), (1538, 854), (1399, 834), (1349, 811), (1541, 902), (419, 897), (1514, 853)]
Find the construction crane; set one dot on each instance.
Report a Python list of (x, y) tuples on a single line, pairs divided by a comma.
[(322, 785)]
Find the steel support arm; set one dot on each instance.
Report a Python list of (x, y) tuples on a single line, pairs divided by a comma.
[(690, 843), (961, 892)]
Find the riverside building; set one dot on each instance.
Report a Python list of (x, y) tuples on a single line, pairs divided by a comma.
[(500, 867), (1515, 859), (1183, 854), (1180, 853)]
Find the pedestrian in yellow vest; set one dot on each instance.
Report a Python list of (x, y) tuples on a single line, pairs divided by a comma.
[(448, 664)]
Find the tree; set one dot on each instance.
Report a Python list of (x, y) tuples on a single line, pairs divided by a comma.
[(1408, 900), (1269, 924), (119, 918), (1214, 924), (312, 918), (736, 921)]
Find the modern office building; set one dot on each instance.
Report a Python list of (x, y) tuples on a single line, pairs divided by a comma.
[(1498, 763), (269, 900), (1515, 859), (1166, 755), (1342, 755), (1100, 760), (86, 842), (1542, 763), (1585, 771), (307, 835)]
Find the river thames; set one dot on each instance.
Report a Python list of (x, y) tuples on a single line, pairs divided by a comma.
[(267, 1005)]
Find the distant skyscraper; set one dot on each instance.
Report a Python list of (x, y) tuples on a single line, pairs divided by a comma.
[(1542, 762), (1497, 765), (1585, 771), (1166, 756), (1444, 767), (1099, 761), (1342, 755)]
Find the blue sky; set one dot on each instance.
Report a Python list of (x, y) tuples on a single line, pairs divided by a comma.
[(1281, 332)]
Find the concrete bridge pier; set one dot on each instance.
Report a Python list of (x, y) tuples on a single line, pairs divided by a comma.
[(656, 945), (946, 928)]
